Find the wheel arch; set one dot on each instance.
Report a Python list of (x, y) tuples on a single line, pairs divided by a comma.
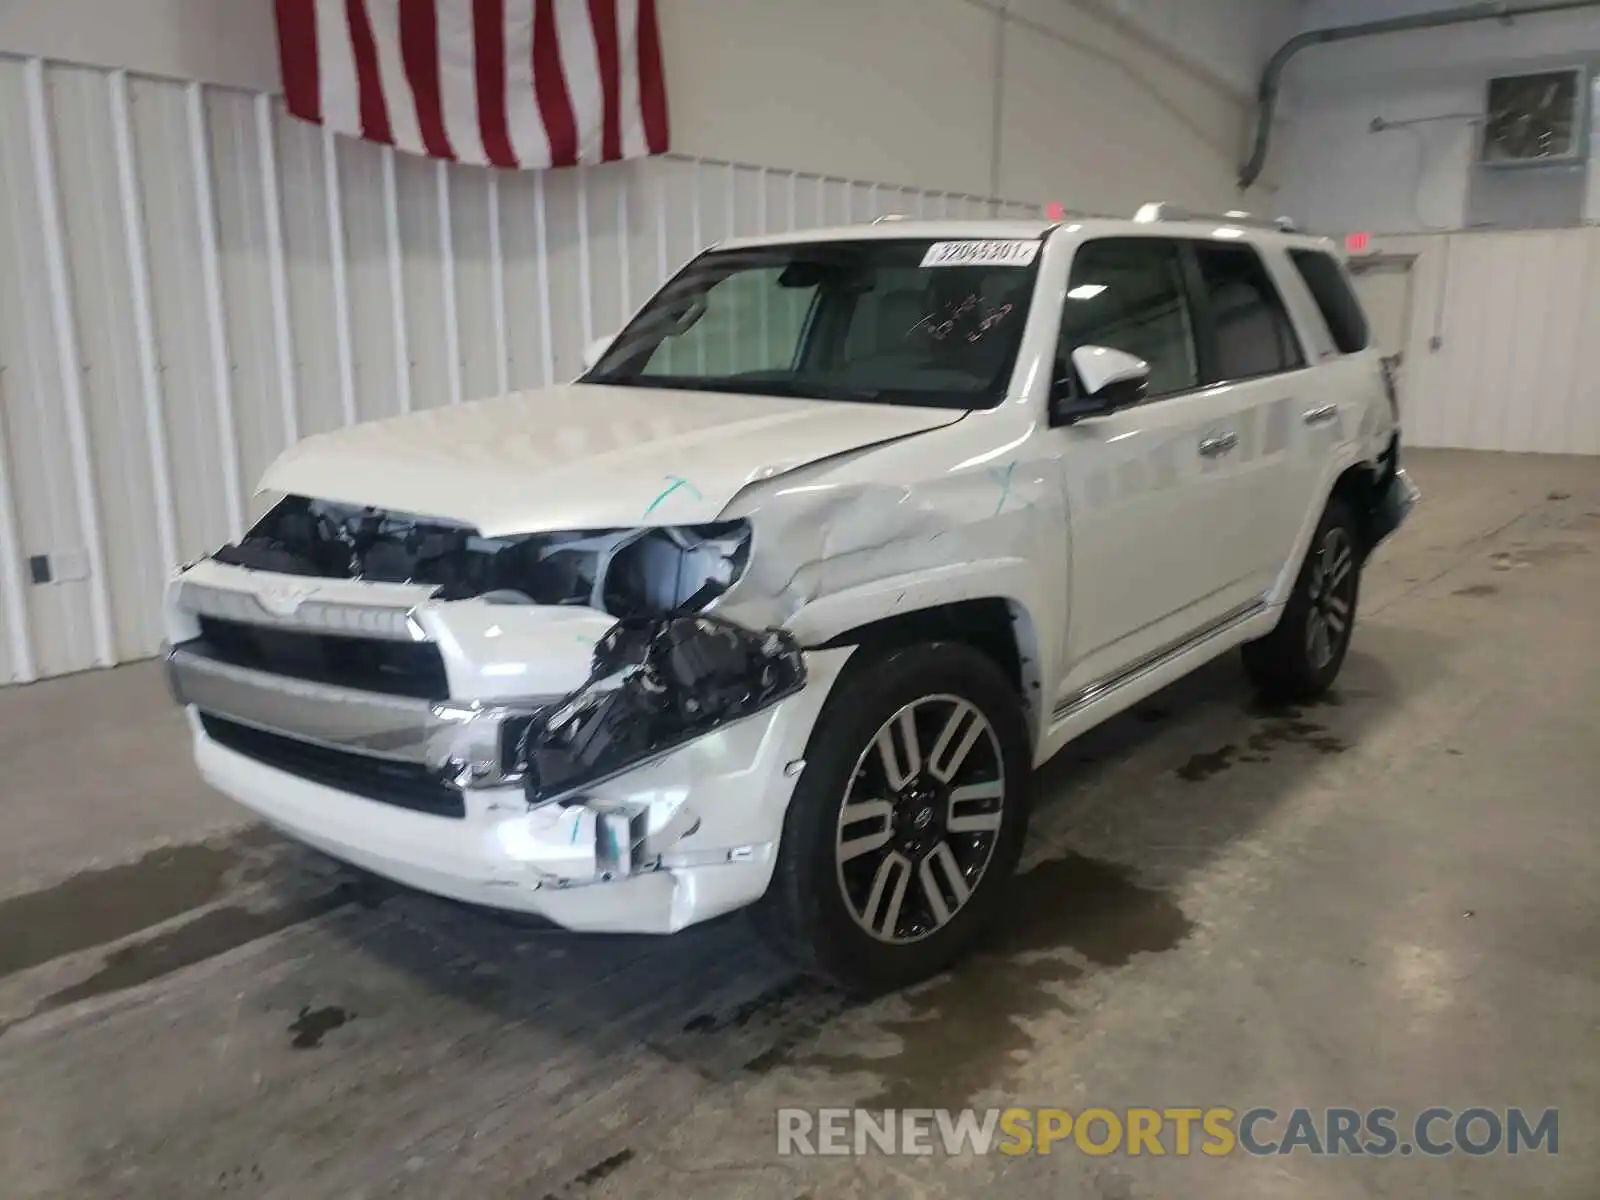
[(1361, 485), (999, 627), (1358, 481)]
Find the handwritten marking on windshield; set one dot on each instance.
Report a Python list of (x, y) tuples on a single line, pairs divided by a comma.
[(674, 483), (972, 317), (990, 321)]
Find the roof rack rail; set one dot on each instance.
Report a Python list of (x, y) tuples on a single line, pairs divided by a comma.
[(1166, 211)]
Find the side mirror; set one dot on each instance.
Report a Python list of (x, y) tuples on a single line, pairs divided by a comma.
[(596, 351), (1106, 380)]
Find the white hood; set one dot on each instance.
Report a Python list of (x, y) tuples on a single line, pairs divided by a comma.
[(584, 456)]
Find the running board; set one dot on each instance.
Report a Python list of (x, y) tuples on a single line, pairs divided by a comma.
[(1153, 661)]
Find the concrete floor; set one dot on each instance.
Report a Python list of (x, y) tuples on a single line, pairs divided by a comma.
[(1388, 900)]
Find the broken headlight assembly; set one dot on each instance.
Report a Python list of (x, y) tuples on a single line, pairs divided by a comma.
[(656, 683), (625, 572)]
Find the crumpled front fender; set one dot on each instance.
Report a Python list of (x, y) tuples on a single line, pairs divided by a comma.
[(831, 556)]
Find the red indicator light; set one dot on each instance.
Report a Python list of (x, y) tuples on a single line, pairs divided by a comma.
[(1357, 243), (1056, 211)]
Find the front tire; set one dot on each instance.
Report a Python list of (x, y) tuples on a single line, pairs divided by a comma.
[(906, 824), (1299, 660)]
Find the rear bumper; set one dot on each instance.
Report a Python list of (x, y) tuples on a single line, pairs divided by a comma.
[(1393, 506)]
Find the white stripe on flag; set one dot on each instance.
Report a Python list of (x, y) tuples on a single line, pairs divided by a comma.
[(458, 82), (398, 97), (336, 68), (580, 63), (633, 142), (529, 142)]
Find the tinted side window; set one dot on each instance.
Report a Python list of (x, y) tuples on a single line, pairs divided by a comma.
[(1128, 294), (1254, 335), (1331, 290)]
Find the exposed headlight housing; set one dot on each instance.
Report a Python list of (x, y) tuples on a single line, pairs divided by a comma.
[(626, 572), (656, 684)]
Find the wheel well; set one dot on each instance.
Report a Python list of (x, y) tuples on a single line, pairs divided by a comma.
[(996, 627), (1355, 485), (1358, 488)]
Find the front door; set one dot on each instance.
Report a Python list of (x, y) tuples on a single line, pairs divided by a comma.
[(1156, 492)]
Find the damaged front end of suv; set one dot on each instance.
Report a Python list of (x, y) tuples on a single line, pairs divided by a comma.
[(551, 668)]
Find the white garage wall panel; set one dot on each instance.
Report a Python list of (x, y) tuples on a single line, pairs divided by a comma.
[(190, 281), (1517, 316)]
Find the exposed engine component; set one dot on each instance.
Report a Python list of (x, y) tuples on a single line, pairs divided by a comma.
[(626, 572), (655, 684)]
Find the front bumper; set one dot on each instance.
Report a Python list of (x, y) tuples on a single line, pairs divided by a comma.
[(671, 843), (422, 791)]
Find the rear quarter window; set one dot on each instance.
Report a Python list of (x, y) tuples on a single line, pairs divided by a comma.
[(1330, 288)]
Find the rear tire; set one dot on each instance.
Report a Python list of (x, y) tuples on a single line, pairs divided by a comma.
[(1299, 660), (907, 822)]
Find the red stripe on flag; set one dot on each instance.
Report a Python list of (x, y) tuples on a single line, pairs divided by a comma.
[(652, 80), (603, 20), (489, 43), (297, 56), (369, 82), (550, 85), (419, 49)]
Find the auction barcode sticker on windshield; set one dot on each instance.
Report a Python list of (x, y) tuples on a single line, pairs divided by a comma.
[(1009, 253)]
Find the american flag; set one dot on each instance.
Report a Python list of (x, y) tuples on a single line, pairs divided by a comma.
[(504, 83)]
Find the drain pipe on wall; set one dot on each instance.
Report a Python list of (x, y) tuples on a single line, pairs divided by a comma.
[(1272, 75)]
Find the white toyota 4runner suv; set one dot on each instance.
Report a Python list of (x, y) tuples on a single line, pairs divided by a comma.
[(781, 603)]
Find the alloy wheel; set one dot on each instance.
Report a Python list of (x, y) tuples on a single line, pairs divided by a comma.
[(920, 819), (1332, 592)]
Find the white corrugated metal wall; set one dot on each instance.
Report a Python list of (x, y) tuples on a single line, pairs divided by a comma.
[(1503, 351), (190, 281)]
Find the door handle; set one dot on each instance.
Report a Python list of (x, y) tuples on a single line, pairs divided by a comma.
[(1321, 416), (1216, 447)]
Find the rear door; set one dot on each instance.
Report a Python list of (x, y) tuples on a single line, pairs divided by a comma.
[(1350, 400), (1259, 369), (1159, 514)]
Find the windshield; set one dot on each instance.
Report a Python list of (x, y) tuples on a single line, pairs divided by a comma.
[(904, 321)]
